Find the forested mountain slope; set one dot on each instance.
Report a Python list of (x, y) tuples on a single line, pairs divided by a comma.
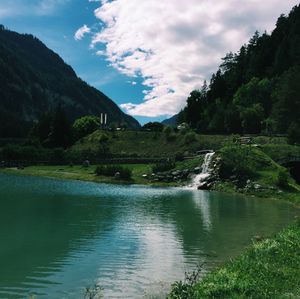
[(35, 80), (256, 90)]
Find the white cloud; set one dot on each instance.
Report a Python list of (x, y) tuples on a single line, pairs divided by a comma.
[(80, 33), (174, 45)]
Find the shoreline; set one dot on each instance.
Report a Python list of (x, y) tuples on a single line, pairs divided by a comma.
[(78, 173), (87, 177), (237, 276)]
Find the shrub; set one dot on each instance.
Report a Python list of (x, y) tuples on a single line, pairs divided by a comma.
[(294, 134), (179, 156), (171, 137), (190, 138), (85, 125), (111, 170), (104, 138), (186, 289), (282, 178), (125, 173), (168, 130), (161, 167), (236, 160)]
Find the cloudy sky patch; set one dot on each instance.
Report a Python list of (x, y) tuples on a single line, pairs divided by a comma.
[(81, 32), (174, 45)]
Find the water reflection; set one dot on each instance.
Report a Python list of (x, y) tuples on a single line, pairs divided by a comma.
[(59, 237), (202, 202)]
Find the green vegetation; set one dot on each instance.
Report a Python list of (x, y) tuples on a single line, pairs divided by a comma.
[(268, 269), (279, 152), (88, 174), (85, 125), (117, 171), (148, 144), (35, 80), (255, 90), (161, 167), (249, 170)]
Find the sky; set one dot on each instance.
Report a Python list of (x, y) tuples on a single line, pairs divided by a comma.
[(146, 55)]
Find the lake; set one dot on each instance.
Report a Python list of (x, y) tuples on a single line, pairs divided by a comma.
[(58, 237)]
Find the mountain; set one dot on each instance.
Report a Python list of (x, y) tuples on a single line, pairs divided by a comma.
[(256, 90), (172, 121), (35, 80)]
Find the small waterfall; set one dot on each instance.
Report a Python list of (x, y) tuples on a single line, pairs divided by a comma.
[(205, 173)]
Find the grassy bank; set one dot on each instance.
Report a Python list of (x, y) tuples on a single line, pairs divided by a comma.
[(158, 144), (88, 173), (251, 171), (268, 269), (82, 173)]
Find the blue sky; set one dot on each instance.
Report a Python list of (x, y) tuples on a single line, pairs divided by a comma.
[(56, 28), (146, 55)]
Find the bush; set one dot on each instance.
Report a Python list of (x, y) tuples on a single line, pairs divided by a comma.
[(294, 134), (168, 130), (282, 178), (32, 153), (104, 138), (85, 125), (169, 133), (186, 289), (171, 137), (179, 156), (161, 167), (111, 170), (236, 160), (190, 138)]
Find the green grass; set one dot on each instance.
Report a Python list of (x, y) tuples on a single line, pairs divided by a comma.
[(87, 174), (280, 151), (252, 163), (155, 144), (268, 269), (149, 144)]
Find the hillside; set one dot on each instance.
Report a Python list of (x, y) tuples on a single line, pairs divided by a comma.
[(172, 121), (255, 90), (34, 80)]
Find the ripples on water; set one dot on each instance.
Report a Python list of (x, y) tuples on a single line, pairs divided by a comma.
[(57, 237)]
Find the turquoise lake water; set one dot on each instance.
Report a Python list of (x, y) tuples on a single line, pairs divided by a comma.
[(58, 237)]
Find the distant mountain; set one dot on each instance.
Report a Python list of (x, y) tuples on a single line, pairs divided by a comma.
[(172, 121), (34, 80)]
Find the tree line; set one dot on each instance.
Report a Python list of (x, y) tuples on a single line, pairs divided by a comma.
[(255, 90)]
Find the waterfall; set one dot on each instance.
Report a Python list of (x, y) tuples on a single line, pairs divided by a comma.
[(205, 173)]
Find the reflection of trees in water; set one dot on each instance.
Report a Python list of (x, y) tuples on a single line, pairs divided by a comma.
[(215, 223), (147, 229)]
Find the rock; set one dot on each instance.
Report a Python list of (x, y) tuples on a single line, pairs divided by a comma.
[(203, 186), (117, 175), (197, 169), (175, 173), (145, 175), (257, 186), (248, 182)]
